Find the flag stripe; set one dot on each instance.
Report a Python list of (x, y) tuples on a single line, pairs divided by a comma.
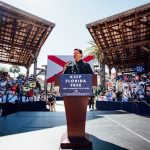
[(88, 58), (52, 78), (57, 60)]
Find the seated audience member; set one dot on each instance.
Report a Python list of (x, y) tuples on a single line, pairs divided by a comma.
[(102, 97), (13, 98), (43, 96), (125, 97), (119, 96), (109, 95)]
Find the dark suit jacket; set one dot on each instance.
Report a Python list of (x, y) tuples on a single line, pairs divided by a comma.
[(80, 68)]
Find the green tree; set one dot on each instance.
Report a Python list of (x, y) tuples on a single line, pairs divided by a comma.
[(94, 50), (99, 56), (38, 85), (14, 69), (21, 76), (3, 69)]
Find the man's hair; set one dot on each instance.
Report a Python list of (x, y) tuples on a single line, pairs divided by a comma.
[(79, 50)]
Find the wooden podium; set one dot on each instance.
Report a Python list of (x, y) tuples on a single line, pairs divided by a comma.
[(76, 108)]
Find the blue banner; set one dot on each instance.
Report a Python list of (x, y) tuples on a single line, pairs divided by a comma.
[(139, 69), (76, 85)]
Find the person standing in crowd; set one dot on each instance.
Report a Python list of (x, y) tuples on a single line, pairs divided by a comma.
[(20, 94), (31, 95), (51, 101), (91, 102), (78, 66)]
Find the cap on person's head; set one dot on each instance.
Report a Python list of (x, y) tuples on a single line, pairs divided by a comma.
[(79, 50)]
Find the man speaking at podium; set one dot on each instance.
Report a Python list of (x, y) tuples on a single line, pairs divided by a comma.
[(77, 101), (77, 66)]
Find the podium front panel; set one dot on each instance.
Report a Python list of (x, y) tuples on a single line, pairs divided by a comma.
[(76, 85)]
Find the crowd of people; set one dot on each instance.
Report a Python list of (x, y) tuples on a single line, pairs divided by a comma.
[(22, 90), (17, 90), (127, 87), (123, 88)]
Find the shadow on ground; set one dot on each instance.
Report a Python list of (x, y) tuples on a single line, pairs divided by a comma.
[(21, 122), (98, 144)]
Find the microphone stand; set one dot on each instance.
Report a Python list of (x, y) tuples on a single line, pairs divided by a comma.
[(75, 68)]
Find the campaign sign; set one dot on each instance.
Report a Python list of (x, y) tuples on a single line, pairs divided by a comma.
[(139, 69), (32, 84), (76, 85)]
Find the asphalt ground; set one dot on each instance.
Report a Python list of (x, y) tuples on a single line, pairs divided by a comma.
[(108, 130)]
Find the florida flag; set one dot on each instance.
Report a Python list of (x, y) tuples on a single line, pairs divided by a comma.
[(55, 65)]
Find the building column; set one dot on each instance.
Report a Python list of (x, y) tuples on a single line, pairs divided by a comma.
[(27, 72), (35, 66), (45, 81), (102, 76)]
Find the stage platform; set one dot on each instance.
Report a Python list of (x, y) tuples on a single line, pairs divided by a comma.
[(108, 130)]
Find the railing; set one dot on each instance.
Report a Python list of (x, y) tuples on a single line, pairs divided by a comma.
[(144, 102), (137, 107)]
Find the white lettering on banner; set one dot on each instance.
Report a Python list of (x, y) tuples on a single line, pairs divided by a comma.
[(75, 85), (75, 76), (85, 88), (75, 81)]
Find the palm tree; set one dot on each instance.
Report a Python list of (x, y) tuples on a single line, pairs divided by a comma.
[(94, 50), (14, 69)]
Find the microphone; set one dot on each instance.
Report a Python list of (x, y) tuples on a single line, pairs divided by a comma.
[(75, 68)]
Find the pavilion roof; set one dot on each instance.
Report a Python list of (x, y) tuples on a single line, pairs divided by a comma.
[(21, 35), (124, 39)]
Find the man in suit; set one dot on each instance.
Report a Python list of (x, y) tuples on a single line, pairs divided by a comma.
[(77, 66)]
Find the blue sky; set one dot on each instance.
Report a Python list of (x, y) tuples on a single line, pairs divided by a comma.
[(71, 17)]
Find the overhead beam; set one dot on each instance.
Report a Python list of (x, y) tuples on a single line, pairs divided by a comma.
[(29, 29), (144, 23), (16, 45), (131, 45), (145, 49), (99, 43), (111, 28), (109, 33), (14, 63), (0, 21), (8, 51), (129, 27), (103, 35), (128, 62), (13, 34), (95, 37)]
